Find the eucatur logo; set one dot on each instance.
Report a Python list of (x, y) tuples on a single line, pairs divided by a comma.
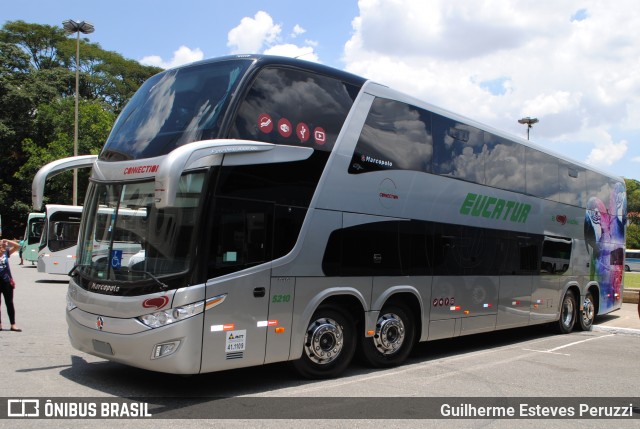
[(561, 219), (156, 303)]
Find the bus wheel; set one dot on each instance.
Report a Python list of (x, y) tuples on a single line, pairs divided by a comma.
[(567, 314), (329, 345), (588, 314), (393, 339)]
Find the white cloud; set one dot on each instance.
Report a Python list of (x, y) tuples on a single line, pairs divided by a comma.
[(293, 51), (183, 55), (607, 154), (297, 30), (260, 35), (553, 59), (252, 34)]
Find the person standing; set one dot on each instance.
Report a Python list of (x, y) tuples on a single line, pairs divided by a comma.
[(7, 248), (21, 242)]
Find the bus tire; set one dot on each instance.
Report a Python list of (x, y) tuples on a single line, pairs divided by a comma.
[(329, 344), (393, 339), (588, 314), (567, 314)]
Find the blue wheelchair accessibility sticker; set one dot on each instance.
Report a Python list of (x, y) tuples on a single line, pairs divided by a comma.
[(116, 258)]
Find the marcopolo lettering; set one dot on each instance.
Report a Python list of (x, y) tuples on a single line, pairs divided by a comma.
[(495, 208)]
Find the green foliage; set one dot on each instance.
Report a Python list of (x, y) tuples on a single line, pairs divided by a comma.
[(633, 236), (633, 195), (37, 94)]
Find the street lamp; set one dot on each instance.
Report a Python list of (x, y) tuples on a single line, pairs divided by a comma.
[(529, 123), (70, 26)]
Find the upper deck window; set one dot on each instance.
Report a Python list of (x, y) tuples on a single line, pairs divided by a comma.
[(294, 107), (395, 136), (173, 108)]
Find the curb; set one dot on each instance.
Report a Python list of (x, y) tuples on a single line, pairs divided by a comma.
[(615, 330), (631, 296)]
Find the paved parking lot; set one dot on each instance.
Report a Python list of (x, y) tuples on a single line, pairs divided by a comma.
[(530, 362)]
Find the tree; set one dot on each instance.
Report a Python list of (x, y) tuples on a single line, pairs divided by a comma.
[(37, 91), (56, 120)]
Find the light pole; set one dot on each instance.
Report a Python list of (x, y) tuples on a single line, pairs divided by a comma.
[(70, 26), (529, 123)]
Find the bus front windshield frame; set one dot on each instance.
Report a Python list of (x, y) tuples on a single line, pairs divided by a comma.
[(125, 238)]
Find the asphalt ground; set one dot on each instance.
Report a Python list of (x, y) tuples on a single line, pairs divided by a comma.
[(39, 362)]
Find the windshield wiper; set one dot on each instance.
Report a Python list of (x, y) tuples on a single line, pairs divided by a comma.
[(157, 280)]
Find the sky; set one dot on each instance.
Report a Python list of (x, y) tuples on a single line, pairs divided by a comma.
[(572, 64)]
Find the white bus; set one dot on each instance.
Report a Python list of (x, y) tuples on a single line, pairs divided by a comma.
[(32, 234), (59, 239), (58, 245), (294, 212), (632, 260)]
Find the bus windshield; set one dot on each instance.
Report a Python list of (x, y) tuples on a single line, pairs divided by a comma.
[(173, 108), (125, 237)]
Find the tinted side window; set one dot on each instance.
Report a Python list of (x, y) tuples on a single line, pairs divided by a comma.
[(294, 107), (394, 248), (542, 174), (599, 186), (458, 150), (463, 250), (503, 163), (241, 235), (288, 222), (363, 250), (395, 136), (522, 254), (573, 185), (371, 249), (290, 183), (556, 255)]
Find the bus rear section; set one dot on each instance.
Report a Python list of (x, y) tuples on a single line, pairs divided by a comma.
[(58, 244), (32, 235)]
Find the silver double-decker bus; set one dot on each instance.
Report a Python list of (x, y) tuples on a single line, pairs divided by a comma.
[(288, 211)]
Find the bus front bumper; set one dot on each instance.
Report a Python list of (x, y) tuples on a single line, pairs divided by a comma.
[(175, 348)]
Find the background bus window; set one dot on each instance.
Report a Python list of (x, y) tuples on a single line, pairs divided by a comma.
[(63, 234), (632, 260)]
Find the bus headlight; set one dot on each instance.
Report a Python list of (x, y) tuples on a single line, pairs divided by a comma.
[(171, 315)]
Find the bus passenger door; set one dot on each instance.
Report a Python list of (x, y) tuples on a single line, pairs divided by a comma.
[(234, 333)]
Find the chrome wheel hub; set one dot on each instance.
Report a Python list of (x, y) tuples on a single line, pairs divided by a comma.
[(389, 335), (324, 341)]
